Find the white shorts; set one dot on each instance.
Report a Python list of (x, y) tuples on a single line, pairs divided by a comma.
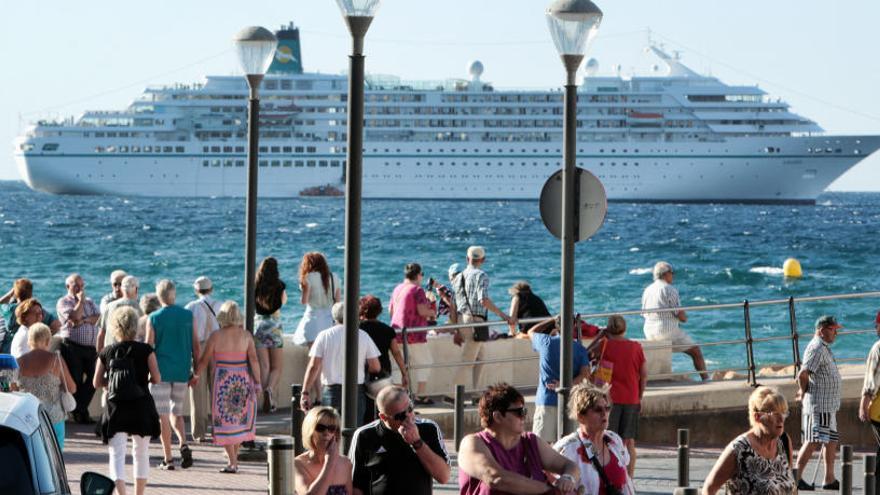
[(169, 397), (677, 337), (545, 422)]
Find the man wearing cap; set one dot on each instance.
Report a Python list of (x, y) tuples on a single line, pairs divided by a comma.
[(665, 325), (204, 310), (819, 390), (472, 299)]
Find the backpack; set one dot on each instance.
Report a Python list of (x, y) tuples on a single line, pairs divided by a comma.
[(122, 382)]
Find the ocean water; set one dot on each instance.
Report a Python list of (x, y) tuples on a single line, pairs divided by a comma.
[(721, 253)]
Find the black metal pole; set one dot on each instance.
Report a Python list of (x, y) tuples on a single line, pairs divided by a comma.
[(250, 256), (296, 418), (795, 349), (458, 419), (870, 473), (846, 466), (569, 159), (684, 462), (750, 352), (353, 184)]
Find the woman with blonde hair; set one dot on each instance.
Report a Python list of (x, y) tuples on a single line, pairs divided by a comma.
[(600, 453), (321, 470), (236, 382), (125, 368), (759, 461), (45, 375)]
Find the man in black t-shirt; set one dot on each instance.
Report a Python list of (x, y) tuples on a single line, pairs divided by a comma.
[(398, 453)]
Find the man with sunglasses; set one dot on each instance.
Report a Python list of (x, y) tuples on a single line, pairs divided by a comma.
[(398, 453), (819, 391)]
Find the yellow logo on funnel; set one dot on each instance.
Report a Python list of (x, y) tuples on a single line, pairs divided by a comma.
[(283, 55)]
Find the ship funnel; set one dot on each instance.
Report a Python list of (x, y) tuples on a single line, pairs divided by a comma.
[(288, 58)]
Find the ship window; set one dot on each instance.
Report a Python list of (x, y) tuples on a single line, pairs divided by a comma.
[(98, 149), (205, 163), (276, 163), (276, 149), (310, 149), (215, 163), (99, 134), (205, 149), (334, 163), (178, 149), (239, 163), (310, 163), (111, 134), (136, 149), (215, 149), (166, 149), (148, 149), (50, 147), (271, 84), (264, 149), (298, 149), (288, 163), (239, 149), (227, 149), (287, 149), (298, 163), (227, 163), (286, 84), (322, 163), (123, 149), (264, 163)]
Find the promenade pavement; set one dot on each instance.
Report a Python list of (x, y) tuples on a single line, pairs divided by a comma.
[(656, 471)]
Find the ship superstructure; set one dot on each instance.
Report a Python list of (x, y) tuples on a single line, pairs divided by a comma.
[(673, 135)]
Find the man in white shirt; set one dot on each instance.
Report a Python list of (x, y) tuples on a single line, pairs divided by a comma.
[(129, 287), (204, 310), (328, 360), (664, 326)]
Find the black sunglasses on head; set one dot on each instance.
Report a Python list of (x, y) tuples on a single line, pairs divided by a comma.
[(519, 411), (320, 428), (402, 415)]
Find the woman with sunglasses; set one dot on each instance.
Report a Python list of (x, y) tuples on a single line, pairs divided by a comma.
[(505, 458), (600, 453), (321, 470), (759, 460)]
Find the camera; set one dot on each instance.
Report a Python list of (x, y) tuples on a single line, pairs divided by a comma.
[(430, 284)]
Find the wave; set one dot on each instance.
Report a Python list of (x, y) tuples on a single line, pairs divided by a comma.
[(641, 271), (766, 270)]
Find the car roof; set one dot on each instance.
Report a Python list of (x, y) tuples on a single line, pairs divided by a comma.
[(19, 411)]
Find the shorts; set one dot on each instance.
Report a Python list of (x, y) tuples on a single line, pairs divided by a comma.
[(544, 423), (819, 427), (169, 397), (419, 354), (624, 420), (269, 333), (677, 337)]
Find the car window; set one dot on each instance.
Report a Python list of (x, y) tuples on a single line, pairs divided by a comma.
[(15, 472), (54, 451), (43, 466)]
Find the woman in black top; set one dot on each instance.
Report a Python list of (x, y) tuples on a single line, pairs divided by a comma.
[(369, 309), (125, 368), (269, 296), (525, 304)]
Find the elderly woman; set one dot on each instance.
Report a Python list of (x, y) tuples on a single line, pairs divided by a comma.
[(233, 356), (505, 458), (321, 470), (148, 303), (44, 374), (27, 313), (600, 453), (125, 368), (759, 460)]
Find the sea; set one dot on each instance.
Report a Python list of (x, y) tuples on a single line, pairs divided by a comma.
[(721, 254)]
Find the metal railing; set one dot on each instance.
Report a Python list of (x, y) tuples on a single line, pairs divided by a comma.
[(748, 340)]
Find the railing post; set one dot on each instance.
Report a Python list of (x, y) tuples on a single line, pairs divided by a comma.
[(870, 473), (458, 421), (846, 481), (296, 418), (750, 355), (684, 474), (403, 334), (795, 346)]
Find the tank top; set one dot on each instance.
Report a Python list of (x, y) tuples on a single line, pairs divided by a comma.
[(320, 296), (46, 388), (757, 474), (523, 459), (173, 326)]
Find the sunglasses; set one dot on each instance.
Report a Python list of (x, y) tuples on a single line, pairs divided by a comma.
[(783, 415), (402, 415), (519, 411), (320, 428)]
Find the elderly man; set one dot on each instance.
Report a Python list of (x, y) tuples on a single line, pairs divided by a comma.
[(115, 289), (472, 300), (665, 325), (79, 316), (204, 310), (819, 391), (172, 333), (398, 453), (871, 387), (326, 358), (129, 287)]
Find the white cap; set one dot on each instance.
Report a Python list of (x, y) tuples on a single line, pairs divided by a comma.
[(476, 252), (202, 283)]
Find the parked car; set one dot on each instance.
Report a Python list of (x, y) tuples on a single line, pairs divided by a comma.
[(32, 461)]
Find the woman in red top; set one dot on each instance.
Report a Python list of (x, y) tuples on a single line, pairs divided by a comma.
[(628, 379)]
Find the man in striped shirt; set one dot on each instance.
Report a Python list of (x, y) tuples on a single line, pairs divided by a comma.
[(79, 316), (819, 389), (665, 325)]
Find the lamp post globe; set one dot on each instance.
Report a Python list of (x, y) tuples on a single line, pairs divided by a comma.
[(573, 25), (358, 16), (256, 47)]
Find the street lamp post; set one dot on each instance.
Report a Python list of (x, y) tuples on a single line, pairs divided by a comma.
[(358, 15), (573, 25), (255, 46)]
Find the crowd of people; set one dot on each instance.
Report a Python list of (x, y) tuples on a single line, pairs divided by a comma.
[(148, 354)]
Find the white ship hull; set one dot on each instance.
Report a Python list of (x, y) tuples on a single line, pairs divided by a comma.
[(740, 170)]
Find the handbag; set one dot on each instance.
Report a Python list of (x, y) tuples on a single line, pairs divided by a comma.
[(68, 402), (874, 409), (603, 369)]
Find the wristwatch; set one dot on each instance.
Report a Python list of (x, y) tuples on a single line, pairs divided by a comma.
[(566, 477), (417, 444)]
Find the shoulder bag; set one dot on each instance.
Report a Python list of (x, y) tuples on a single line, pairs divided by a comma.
[(603, 369), (68, 402), (600, 470)]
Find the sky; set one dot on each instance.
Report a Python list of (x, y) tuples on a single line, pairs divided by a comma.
[(61, 58)]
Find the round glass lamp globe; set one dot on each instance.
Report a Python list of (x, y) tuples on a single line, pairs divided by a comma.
[(256, 47), (573, 25), (358, 8)]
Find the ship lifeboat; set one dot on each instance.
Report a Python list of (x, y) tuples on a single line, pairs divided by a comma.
[(326, 190)]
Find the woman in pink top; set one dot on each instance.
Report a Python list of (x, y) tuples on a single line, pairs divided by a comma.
[(504, 459), (410, 308)]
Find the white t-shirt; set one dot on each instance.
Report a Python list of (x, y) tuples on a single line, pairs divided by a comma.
[(320, 296), (20, 343), (660, 295), (328, 347), (206, 322)]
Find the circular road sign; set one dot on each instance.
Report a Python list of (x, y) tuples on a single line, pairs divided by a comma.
[(590, 207)]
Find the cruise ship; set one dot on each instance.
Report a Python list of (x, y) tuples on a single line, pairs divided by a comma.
[(671, 135)]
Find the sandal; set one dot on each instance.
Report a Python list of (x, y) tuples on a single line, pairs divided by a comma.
[(186, 457), (229, 470), (424, 401), (166, 465)]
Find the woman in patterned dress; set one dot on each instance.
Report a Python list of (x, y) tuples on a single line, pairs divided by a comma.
[(269, 296), (235, 384), (759, 460)]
